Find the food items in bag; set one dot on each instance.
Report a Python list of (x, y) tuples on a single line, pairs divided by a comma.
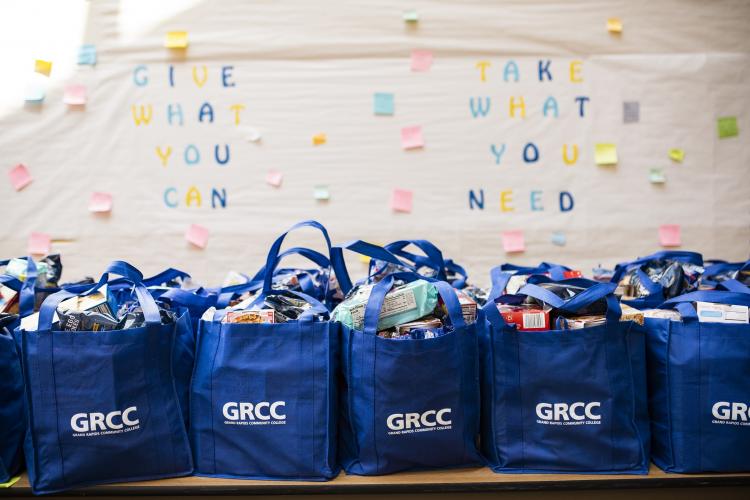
[(8, 300), (468, 306), (86, 321), (518, 280), (579, 322), (566, 291), (675, 278), (709, 312), (6, 321), (479, 295), (100, 301), (403, 303), (526, 317), (662, 314), (259, 316), (274, 309)]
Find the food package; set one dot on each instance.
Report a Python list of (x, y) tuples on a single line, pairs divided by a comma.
[(709, 312), (527, 318), (578, 322), (259, 316)]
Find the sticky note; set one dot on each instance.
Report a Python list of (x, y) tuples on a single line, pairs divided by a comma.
[(319, 139), (197, 235), (19, 177), (274, 178), (43, 67), (383, 103), (605, 154), (656, 176), (669, 235), (321, 193), (401, 200), (39, 244), (100, 202), (10, 483), (34, 94), (614, 25), (411, 137), (513, 241), (559, 239), (631, 112), (411, 16), (421, 60), (176, 40), (254, 135), (728, 127), (75, 95), (677, 155), (87, 55)]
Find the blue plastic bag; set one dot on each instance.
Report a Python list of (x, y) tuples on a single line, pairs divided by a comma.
[(698, 387), (12, 416), (407, 404), (102, 406), (264, 396), (565, 401)]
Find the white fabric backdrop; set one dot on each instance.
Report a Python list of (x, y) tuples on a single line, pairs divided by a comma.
[(301, 68)]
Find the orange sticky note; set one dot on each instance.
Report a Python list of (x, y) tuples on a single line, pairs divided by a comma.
[(39, 244), (100, 202), (19, 177), (614, 25), (75, 95), (176, 40), (401, 200), (274, 178), (669, 235), (411, 137), (197, 235), (513, 241), (421, 60), (319, 139), (43, 67)]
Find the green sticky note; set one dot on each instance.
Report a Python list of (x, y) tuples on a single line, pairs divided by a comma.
[(677, 155), (383, 103), (656, 176), (728, 127), (605, 154), (321, 193), (411, 16)]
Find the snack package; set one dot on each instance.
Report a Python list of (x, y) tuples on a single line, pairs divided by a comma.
[(468, 306), (518, 280), (675, 277), (100, 301), (709, 312), (662, 314), (527, 318), (578, 322), (566, 291), (402, 304), (86, 321), (424, 323), (259, 316), (479, 295), (8, 300)]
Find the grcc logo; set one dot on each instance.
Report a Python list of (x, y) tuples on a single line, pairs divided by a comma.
[(564, 411), (400, 421), (114, 420), (260, 411), (724, 410)]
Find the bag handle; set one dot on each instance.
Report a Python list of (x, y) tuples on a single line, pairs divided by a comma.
[(362, 248), (382, 287), (433, 257), (459, 270), (595, 292), (148, 304), (678, 255), (165, 276), (199, 297), (317, 306), (500, 276), (25, 288), (684, 305)]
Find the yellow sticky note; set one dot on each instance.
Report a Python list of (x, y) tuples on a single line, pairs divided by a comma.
[(614, 25), (677, 155), (605, 154), (10, 483), (176, 40), (319, 139), (43, 67)]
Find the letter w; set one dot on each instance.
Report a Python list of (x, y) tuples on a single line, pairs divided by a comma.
[(144, 116), (481, 108)]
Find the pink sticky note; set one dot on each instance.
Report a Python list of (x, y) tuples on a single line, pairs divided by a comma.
[(19, 177), (411, 137), (401, 201), (513, 241), (100, 202), (421, 60), (197, 235), (39, 244), (274, 178), (75, 95), (669, 235)]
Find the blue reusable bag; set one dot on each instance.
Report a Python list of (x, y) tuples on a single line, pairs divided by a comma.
[(501, 275), (718, 270), (699, 386), (12, 416), (264, 396), (388, 382), (102, 406), (564, 401), (655, 291), (444, 269)]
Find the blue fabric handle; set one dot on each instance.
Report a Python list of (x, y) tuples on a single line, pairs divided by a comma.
[(579, 301), (362, 248), (451, 266), (649, 285), (126, 270), (684, 305), (500, 275), (382, 287), (733, 286), (273, 254), (317, 306), (164, 277), (678, 255), (199, 297), (433, 257)]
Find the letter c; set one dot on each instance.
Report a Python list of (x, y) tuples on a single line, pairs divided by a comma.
[(424, 420), (263, 404), (440, 419), (276, 415), (573, 413), (589, 413), (126, 419), (111, 420)]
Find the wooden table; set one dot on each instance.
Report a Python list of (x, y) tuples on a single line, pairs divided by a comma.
[(445, 481)]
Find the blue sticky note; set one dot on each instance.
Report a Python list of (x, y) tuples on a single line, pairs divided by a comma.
[(558, 239), (87, 55), (383, 103)]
